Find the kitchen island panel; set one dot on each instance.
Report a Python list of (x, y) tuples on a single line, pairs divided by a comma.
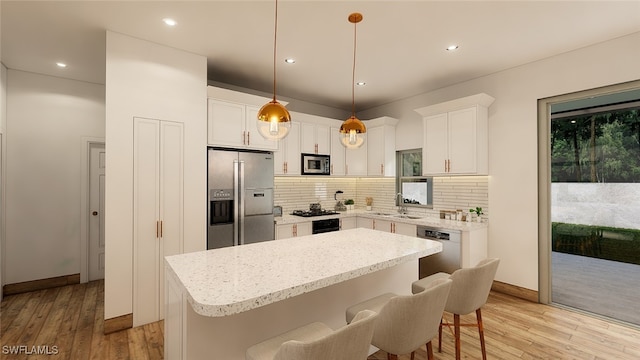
[(228, 337)]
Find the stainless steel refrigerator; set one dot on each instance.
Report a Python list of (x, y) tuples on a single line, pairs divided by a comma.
[(240, 191)]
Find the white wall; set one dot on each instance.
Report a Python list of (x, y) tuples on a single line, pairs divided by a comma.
[(151, 81), (513, 230), (3, 125), (46, 119)]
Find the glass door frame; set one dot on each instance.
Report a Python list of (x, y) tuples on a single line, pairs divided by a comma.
[(544, 178)]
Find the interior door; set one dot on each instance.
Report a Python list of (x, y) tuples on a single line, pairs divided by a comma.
[(97, 155)]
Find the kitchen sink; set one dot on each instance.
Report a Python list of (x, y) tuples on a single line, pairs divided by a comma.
[(405, 216)]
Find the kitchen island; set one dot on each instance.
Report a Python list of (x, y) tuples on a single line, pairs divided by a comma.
[(219, 302)]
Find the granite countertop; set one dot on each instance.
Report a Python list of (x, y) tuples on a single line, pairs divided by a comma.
[(423, 220), (232, 280)]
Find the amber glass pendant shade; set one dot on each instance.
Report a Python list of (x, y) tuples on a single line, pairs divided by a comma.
[(274, 121), (352, 133)]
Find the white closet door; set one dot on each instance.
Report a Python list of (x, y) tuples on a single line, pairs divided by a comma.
[(146, 214), (171, 198), (158, 167)]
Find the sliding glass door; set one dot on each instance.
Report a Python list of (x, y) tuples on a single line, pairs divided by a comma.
[(593, 197)]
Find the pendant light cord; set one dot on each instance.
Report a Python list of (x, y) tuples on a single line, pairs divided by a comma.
[(275, 42), (353, 73)]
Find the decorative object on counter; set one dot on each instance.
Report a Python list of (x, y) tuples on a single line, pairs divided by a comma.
[(274, 120), (340, 206), (277, 210), (352, 130), (369, 201), (350, 204), (478, 211)]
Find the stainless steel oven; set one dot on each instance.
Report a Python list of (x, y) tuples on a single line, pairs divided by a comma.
[(313, 164)]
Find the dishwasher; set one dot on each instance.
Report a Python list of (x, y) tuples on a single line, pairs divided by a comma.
[(446, 261)]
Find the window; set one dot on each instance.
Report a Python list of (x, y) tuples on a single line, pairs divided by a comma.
[(416, 189)]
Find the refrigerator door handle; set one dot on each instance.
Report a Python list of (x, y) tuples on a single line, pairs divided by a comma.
[(236, 208), (242, 202)]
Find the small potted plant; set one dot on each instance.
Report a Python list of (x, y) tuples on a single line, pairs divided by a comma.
[(350, 204), (369, 201), (478, 211)]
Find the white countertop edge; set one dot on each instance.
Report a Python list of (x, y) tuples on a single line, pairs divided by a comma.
[(210, 310), (203, 308)]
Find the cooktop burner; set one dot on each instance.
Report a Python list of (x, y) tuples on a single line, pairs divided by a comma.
[(309, 213)]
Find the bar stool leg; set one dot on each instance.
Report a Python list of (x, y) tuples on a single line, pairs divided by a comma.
[(429, 351), (456, 324), (481, 332), (440, 336)]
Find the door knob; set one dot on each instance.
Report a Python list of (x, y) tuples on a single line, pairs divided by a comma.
[(95, 213)]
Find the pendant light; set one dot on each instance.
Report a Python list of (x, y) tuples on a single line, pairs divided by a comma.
[(274, 120), (352, 130)]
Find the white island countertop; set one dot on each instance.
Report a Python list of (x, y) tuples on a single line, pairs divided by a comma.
[(232, 280)]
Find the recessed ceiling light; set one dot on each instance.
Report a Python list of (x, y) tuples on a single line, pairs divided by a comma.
[(169, 22), (361, 83), (452, 47), (61, 65), (290, 61)]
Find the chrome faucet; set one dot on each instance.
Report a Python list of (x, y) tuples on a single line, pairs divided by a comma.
[(402, 208)]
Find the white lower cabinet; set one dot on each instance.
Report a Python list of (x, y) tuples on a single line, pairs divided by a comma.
[(366, 223), (388, 226), (292, 230), (158, 167), (348, 223), (395, 227)]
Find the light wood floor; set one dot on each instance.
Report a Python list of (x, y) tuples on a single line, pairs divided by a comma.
[(70, 319)]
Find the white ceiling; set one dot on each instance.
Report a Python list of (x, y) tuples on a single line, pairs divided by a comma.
[(400, 53)]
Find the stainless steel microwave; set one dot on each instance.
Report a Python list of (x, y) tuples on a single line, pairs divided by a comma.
[(313, 164)]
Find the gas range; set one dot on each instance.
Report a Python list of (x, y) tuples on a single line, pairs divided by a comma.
[(313, 212)]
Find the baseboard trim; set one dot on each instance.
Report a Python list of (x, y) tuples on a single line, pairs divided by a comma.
[(41, 284), (517, 291), (118, 323)]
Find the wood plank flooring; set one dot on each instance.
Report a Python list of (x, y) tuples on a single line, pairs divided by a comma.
[(69, 321)]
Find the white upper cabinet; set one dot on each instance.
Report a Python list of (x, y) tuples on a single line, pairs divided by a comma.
[(456, 137), (234, 125), (337, 153), (232, 120), (356, 159), (381, 152), (314, 137), (287, 158)]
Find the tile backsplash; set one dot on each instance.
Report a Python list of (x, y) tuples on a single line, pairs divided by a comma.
[(449, 193)]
